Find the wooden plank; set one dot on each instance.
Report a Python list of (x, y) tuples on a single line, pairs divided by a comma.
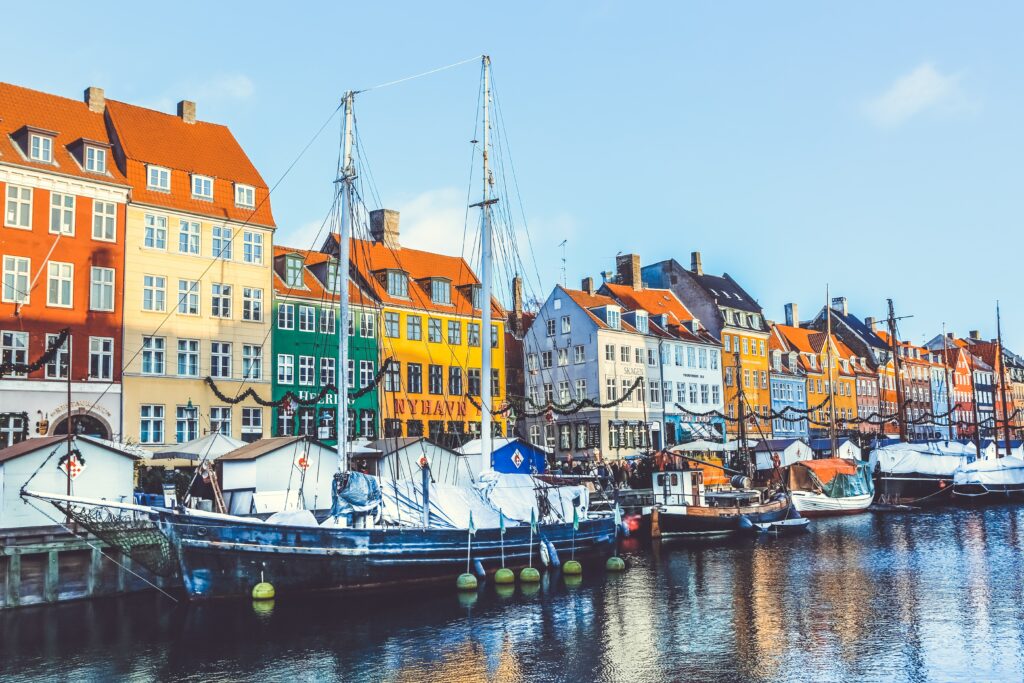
[(13, 581), (51, 576)]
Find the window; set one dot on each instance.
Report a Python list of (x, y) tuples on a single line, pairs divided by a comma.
[(222, 242), (158, 178), (545, 359), (440, 291), (252, 247), (333, 281), (328, 367), (245, 195), (549, 394), (728, 342), (365, 373), (58, 367), (286, 368), (614, 319), (367, 323), (494, 336), (760, 347), (563, 357), (14, 349), (702, 358), (188, 237), (397, 283), (202, 187), (414, 378), (327, 321), (188, 357), (624, 353), (681, 392), (220, 359), (638, 355), (252, 361), (95, 160), (286, 317), (286, 423), (550, 325), (62, 213), (220, 297), (495, 383), (746, 346), (413, 327), (563, 391), (151, 424), (454, 332), (704, 388), (435, 379), (625, 385), (455, 381), (609, 352), (188, 297), (714, 359), (19, 207), (393, 377), (293, 271), (691, 357), (531, 361), (104, 217), (101, 289), (351, 323), (652, 357), (155, 231), (611, 390), (579, 355), (220, 420), (59, 289), (434, 330), (535, 435), (679, 356), (252, 304), (581, 389), (40, 148), (306, 370), (153, 355), (655, 392), (101, 358), (473, 334), (186, 424), (391, 325), (566, 325)]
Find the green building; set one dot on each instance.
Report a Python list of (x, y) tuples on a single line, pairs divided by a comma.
[(305, 347)]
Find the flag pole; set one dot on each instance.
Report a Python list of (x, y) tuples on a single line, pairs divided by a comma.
[(501, 518), (529, 560), (469, 541)]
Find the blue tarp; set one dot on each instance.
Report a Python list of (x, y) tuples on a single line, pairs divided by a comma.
[(530, 460)]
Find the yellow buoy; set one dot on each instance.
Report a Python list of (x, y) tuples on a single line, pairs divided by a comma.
[(263, 591), (572, 568), (615, 564), (466, 582), (504, 576), (529, 575)]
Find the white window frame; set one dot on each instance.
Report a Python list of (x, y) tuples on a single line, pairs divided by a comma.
[(158, 178), (307, 314), (241, 198), (288, 312), (222, 234), (328, 374), (104, 221), (252, 304), (45, 148), (252, 420), (13, 350), (95, 159), (252, 247), (154, 348), (105, 283), (189, 297), (220, 300), (252, 361), (190, 235), (154, 415), (62, 213), (154, 232), (98, 349), (286, 368), (18, 204), (67, 279), (17, 274), (202, 187), (188, 351), (59, 359), (220, 418), (307, 371), (328, 321), (219, 351), (158, 286)]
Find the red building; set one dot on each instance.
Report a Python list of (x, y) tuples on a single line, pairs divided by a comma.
[(61, 256)]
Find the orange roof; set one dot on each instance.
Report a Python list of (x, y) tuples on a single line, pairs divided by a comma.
[(70, 119), (312, 287), (151, 137), (654, 301), (588, 301), (370, 258)]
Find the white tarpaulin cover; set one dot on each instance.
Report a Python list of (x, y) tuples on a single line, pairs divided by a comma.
[(901, 460), (514, 494), (997, 472)]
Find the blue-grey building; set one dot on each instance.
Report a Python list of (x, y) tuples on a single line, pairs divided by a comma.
[(788, 388)]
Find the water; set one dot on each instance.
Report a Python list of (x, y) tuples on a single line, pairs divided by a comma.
[(930, 596)]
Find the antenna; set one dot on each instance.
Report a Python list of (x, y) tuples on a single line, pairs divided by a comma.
[(562, 245)]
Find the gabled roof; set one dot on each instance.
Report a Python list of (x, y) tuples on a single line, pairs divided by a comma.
[(776, 444), (657, 302), (32, 445), (253, 450), (147, 136), (393, 444), (313, 288), (71, 120), (727, 292), (589, 301)]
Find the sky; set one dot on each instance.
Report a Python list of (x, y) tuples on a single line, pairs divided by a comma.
[(874, 148)]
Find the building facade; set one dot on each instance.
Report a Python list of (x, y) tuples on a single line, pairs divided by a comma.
[(62, 242), (197, 278), (788, 383)]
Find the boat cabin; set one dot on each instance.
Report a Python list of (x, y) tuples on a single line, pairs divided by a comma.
[(679, 487)]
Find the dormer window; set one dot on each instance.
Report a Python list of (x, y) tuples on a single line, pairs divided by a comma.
[(158, 178), (641, 322), (396, 282), (202, 187), (728, 317), (245, 195), (613, 318), (333, 283), (95, 159), (474, 294), (293, 271), (777, 359), (40, 148), (440, 291)]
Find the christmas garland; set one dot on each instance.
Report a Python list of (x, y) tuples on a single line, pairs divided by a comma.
[(291, 398), (10, 368), (569, 408)]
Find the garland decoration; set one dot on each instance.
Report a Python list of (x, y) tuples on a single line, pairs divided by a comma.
[(519, 403), (10, 368), (290, 397)]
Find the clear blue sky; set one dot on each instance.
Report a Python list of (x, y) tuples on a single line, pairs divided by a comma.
[(873, 146)]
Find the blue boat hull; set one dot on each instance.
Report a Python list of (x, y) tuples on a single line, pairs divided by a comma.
[(225, 558)]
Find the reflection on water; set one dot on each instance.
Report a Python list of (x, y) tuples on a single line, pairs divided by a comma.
[(937, 595)]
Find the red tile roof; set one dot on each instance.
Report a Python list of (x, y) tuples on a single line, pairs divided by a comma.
[(654, 301), (588, 301), (70, 119), (151, 137), (313, 289)]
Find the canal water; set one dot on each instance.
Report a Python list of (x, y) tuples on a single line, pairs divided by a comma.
[(930, 596)]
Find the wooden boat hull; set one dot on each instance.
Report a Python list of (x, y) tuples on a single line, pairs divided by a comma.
[(811, 504), (226, 558), (977, 494), (695, 521), (913, 489)]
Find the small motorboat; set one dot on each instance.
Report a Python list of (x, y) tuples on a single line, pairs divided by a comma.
[(989, 480), (782, 527), (830, 486)]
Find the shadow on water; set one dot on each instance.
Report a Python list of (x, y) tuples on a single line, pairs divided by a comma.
[(933, 595)]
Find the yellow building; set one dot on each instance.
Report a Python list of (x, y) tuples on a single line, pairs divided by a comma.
[(197, 279), (429, 326)]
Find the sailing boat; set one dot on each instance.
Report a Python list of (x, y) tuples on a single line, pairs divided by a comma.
[(223, 555)]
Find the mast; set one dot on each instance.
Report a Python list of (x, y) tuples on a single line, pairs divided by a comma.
[(974, 402), (741, 431), (949, 381), (485, 279), (831, 374), (1002, 382), (347, 175), (898, 372)]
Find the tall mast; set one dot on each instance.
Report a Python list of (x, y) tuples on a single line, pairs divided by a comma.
[(831, 374), (347, 175), (974, 401), (485, 280), (898, 372), (949, 381), (1002, 381)]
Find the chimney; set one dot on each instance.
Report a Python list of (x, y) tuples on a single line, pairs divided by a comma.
[(384, 227), (870, 322), (187, 111), (95, 99), (588, 285), (628, 270), (949, 336), (606, 276), (792, 315), (517, 296), (695, 264), (974, 334), (840, 305)]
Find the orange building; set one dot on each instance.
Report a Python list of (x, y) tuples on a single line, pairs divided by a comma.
[(829, 372)]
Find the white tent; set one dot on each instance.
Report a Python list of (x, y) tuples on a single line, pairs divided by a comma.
[(209, 447)]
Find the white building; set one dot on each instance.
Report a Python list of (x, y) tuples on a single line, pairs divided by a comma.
[(281, 473)]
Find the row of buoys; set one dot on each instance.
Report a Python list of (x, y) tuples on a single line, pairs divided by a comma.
[(505, 576)]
